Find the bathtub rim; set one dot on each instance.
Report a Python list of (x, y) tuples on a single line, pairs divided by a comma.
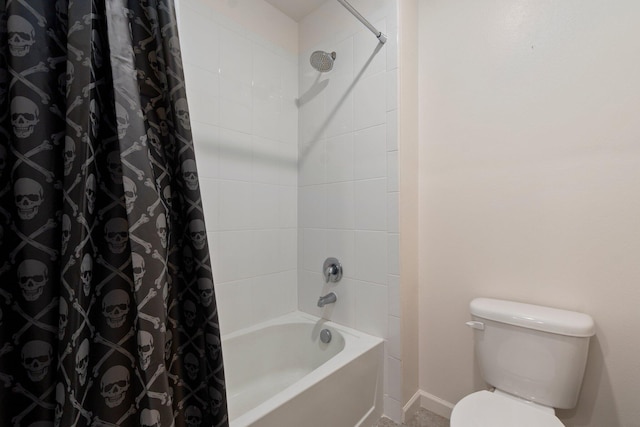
[(356, 343)]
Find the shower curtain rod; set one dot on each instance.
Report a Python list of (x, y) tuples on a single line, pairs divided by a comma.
[(362, 19)]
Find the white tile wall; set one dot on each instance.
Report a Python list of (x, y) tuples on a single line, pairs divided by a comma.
[(392, 212), (265, 306), (369, 58), (370, 152), (234, 204), (341, 245), (210, 203), (393, 387), (236, 57), (392, 171), (344, 313), (340, 158), (267, 162), (235, 154), (339, 100), (393, 282), (372, 307), (265, 253), (370, 261), (230, 256), (340, 205), (203, 93), (313, 164), (393, 255), (312, 206), (348, 178), (242, 91), (394, 337), (195, 19), (314, 250), (288, 218), (369, 101), (207, 150), (234, 304), (392, 130), (394, 374), (265, 211), (371, 204)]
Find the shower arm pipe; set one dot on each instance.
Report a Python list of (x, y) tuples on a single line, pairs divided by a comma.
[(381, 37)]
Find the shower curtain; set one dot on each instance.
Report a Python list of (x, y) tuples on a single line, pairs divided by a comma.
[(107, 310)]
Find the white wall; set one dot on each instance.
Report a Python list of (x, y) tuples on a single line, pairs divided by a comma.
[(348, 178), (408, 149), (530, 183), (242, 81)]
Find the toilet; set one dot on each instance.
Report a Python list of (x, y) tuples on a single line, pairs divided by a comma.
[(534, 359)]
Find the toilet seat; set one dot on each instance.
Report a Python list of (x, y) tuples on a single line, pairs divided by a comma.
[(487, 409)]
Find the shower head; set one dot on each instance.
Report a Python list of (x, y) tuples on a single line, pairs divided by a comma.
[(322, 61)]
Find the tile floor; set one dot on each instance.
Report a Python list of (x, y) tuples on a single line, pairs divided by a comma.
[(423, 418)]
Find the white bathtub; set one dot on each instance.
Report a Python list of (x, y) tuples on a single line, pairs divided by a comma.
[(279, 374)]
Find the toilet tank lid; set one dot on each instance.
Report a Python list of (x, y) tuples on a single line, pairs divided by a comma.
[(546, 319)]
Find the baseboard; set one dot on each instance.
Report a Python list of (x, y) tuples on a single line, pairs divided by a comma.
[(422, 399), (435, 404), (411, 407)]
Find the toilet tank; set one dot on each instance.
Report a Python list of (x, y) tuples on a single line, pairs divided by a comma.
[(534, 352)]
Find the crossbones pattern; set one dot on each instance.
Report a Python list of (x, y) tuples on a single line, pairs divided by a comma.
[(112, 319), (33, 321), (26, 158), (41, 401)]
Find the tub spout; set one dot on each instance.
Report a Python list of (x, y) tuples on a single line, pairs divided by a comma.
[(329, 298)]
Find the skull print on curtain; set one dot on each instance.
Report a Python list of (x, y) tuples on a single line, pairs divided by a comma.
[(107, 309)]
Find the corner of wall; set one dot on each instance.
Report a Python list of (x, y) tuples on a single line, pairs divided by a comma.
[(408, 166)]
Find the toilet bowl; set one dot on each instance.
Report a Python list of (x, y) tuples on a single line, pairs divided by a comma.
[(534, 357)]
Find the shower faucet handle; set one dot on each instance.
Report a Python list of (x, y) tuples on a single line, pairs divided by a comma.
[(332, 270)]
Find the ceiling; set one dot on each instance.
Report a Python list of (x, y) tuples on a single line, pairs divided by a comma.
[(296, 9)]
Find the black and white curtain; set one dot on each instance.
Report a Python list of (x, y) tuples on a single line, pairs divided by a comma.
[(107, 309)]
